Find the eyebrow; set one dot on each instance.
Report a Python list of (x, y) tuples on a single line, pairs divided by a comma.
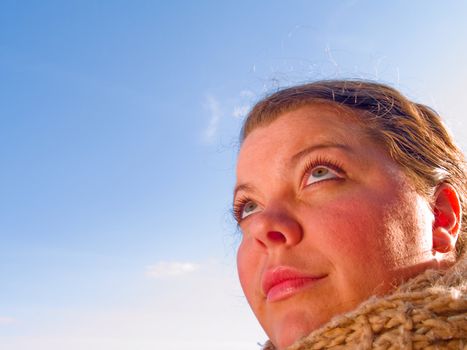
[(296, 158), (303, 153), (242, 187)]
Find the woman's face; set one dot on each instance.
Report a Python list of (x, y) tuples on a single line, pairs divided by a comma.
[(327, 219)]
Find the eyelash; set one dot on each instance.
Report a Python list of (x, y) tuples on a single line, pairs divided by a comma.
[(238, 208), (240, 203), (320, 161)]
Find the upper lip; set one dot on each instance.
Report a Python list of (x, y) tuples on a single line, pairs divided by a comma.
[(279, 274)]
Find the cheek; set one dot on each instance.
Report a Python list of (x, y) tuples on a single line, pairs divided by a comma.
[(352, 234), (242, 267), (381, 230), (356, 233), (246, 267)]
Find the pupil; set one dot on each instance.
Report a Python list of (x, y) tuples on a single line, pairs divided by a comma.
[(320, 172), (250, 207)]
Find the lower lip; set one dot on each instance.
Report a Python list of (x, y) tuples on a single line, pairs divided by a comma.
[(290, 287)]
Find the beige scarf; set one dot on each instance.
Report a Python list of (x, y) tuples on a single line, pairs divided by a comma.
[(427, 312)]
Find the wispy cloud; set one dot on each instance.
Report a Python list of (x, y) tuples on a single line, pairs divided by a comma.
[(6, 320), (247, 94), (147, 315), (169, 269), (213, 107), (240, 111), (242, 108)]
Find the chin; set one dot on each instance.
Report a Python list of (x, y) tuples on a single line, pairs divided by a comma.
[(292, 328)]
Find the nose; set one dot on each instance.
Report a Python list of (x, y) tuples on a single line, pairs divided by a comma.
[(275, 227)]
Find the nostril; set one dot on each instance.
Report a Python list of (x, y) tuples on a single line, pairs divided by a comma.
[(276, 236)]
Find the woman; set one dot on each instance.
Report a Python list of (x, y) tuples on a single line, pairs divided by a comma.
[(351, 202)]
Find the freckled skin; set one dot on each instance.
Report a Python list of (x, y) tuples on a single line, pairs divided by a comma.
[(365, 231)]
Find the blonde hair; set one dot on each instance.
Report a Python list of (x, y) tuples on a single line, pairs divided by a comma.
[(413, 134)]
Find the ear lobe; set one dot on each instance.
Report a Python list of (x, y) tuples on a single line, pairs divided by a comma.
[(447, 215)]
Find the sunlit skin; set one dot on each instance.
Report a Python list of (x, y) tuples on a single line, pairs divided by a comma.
[(353, 219)]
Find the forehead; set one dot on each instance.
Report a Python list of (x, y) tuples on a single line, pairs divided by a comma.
[(317, 124)]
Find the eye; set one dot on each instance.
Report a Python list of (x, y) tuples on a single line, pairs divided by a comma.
[(249, 208), (245, 208), (321, 173)]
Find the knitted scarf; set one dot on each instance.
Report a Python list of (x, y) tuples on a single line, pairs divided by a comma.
[(427, 312)]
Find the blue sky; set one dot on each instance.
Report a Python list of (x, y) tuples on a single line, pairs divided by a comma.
[(118, 142)]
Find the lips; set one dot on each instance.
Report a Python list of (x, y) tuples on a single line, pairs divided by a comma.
[(282, 282)]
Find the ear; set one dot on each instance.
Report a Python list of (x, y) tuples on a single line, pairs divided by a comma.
[(447, 218)]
